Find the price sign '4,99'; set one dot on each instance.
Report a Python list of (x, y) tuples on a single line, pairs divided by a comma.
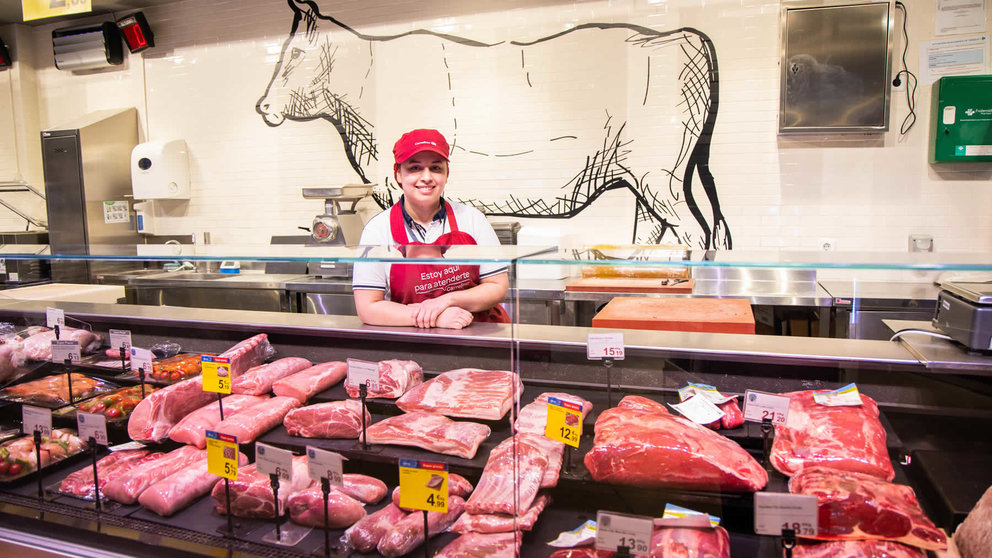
[(424, 485)]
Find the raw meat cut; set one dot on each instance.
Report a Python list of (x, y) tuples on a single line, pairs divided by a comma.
[(639, 443), (180, 489), (192, 429), (533, 417), (257, 419), (127, 487), (973, 536), (582, 552), (152, 419), (860, 506), (479, 545), (54, 390), (39, 345), (251, 493), (80, 483), (305, 384), (396, 377), (259, 380), (336, 419), (363, 488), (248, 354), (306, 507), (555, 452), (509, 467), (431, 432), (669, 542), (457, 486), (466, 393), (856, 549), (408, 533), (732, 416), (365, 535), (849, 438), (501, 523)]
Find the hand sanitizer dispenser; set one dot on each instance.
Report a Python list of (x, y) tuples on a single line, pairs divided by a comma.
[(160, 170)]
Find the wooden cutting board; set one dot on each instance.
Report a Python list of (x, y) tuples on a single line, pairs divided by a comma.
[(713, 315), (630, 285)]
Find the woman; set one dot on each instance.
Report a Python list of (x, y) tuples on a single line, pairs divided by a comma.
[(421, 224)]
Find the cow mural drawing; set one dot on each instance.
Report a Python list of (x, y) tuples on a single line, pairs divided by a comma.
[(541, 128)]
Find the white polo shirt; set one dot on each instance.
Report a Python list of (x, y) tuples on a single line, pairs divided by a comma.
[(375, 275)]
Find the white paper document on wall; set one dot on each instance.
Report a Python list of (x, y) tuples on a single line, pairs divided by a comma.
[(953, 57), (959, 17)]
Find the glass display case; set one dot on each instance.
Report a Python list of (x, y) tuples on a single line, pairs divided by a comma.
[(705, 383)]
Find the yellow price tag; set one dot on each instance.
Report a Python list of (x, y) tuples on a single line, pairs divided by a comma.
[(37, 9), (216, 373), (564, 421), (423, 485), (222, 455)]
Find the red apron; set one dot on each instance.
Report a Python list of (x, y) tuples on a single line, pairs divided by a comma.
[(414, 283)]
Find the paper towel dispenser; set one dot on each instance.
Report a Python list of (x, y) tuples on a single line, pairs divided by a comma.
[(87, 47), (160, 170)]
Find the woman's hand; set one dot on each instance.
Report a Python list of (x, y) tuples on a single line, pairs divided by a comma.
[(427, 312), (454, 317)]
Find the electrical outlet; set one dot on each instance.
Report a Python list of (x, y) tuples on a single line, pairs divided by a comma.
[(827, 244), (902, 83)]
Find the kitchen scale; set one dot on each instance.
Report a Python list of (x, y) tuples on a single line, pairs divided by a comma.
[(964, 312), (339, 225)]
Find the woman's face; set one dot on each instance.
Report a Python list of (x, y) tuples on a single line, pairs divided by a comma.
[(422, 178)]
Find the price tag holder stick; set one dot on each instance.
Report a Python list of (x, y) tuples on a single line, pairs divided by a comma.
[(427, 538), (766, 430), (141, 378), (788, 541), (568, 457), (608, 363), (58, 333), (96, 480), (230, 515), (325, 488), (37, 461), (622, 552), (124, 369), (274, 483), (220, 405), (68, 375), (363, 392)]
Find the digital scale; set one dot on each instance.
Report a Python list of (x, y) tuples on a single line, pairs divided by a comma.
[(964, 312)]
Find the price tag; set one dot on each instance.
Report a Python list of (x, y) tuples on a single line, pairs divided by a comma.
[(127, 446), (363, 371), (141, 359), (564, 421), (121, 339), (92, 424), (274, 461), (54, 317), (846, 396), (699, 409), (707, 391), (222, 455), (604, 345), (216, 373), (424, 485), (759, 405), (614, 530), (323, 464), (774, 511), (65, 349), (677, 516), (36, 419)]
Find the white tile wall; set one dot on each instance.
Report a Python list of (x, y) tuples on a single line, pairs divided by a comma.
[(213, 60)]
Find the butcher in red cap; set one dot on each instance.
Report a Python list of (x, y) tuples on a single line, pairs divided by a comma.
[(420, 224)]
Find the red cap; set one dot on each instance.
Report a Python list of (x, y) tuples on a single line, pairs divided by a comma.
[(415, 141)]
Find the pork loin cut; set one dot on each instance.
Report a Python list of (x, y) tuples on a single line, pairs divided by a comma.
[(396, 377), (178, 490), (259, 380), (519, 461), (257, 419), (431, 432), (363, 488), (849, 438), (193, 428), (466, 393), (408, 533), (365, 535), (501, 523), (39, 345), (335, 419), (155, 415), (248, 354), (126, 488), (80, 483), (305, 384), (856, 549), (251, 493), (479, 545), (306, 507), (533, 417), (860, 506), (639, 443)]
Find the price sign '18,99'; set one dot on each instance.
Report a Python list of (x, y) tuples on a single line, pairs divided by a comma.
[(222, 455)]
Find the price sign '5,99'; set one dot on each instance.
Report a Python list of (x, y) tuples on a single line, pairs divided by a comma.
[(216, 373), (564, 421), (222, 455)]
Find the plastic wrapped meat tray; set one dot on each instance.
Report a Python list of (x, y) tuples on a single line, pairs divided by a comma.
[(53, 391), (19, 459), (116, 405)]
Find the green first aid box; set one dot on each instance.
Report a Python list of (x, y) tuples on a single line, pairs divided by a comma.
[(961, 119)]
